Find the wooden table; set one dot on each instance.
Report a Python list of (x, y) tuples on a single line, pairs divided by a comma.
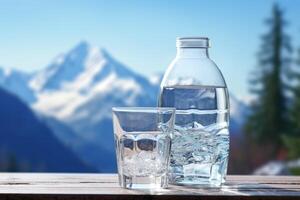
[(105, 186)]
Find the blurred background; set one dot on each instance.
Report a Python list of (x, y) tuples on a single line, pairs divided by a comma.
[(64, 64)]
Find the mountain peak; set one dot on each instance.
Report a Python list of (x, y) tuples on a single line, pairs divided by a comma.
[(82, 45), (79, 51), (86, 49), (83, 61)]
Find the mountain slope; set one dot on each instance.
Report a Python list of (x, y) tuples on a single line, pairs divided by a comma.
[(89, 152), (17, 83), (24, 137), (62, 69)]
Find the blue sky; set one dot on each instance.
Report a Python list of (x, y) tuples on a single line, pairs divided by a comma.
[(140, 33)]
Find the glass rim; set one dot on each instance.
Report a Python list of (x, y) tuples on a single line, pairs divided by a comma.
[(144, 109)]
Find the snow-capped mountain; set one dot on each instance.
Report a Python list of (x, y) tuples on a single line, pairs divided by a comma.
[(79, 76), (79, 88)]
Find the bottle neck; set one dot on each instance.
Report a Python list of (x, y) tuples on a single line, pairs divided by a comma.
[(192, 52)]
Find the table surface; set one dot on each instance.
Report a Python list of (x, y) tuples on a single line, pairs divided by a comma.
[(105, 186)]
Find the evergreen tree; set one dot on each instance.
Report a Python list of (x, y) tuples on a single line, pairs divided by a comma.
[(268, 121), (295, 109), (292, 141)]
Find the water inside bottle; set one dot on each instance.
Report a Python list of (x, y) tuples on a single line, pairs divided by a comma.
[(200, 143)]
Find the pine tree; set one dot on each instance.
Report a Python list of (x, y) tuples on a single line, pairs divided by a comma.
[(295, 109), (292, 141), (268, 121)]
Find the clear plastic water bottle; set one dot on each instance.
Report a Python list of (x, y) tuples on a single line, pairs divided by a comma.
[(195, 86)]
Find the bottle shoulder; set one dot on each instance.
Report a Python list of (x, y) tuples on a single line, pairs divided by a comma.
[(193, 71)]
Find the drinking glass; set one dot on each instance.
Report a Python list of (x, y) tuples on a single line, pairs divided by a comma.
[(143, 142)]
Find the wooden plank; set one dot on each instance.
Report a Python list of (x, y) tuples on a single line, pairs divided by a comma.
[(105, 186)]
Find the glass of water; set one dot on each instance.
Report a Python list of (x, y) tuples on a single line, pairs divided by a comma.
[(143, 142)]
